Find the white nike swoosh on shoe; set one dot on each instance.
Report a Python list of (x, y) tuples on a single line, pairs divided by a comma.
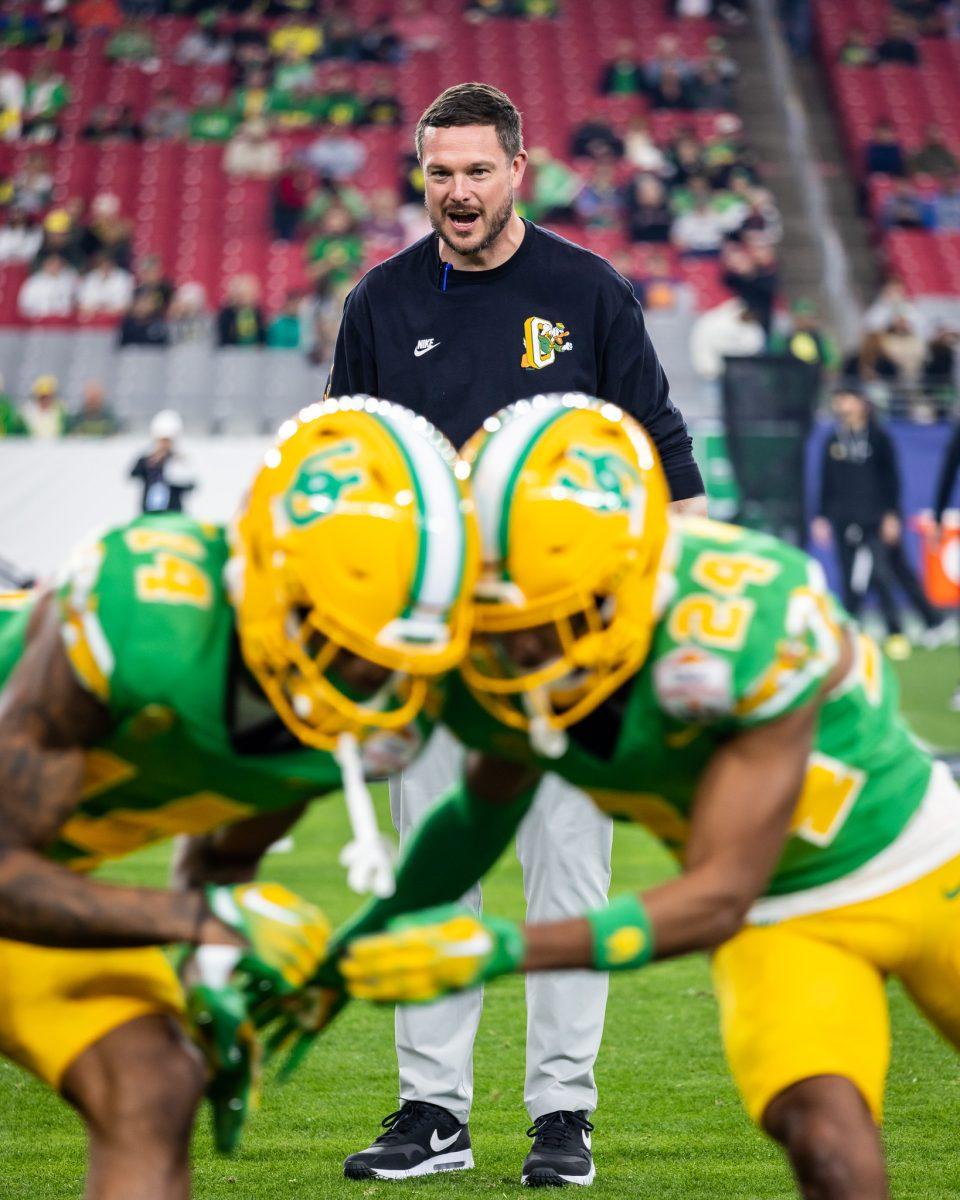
[(587, 1140), (438, 1143)]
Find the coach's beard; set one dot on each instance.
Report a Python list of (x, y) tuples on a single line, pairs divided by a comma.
[(498, 223)]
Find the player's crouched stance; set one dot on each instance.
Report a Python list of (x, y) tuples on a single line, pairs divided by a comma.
[(142, 699), (699, 679)]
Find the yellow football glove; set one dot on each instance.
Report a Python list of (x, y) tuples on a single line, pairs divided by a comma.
[(286, 937), (430, 953)]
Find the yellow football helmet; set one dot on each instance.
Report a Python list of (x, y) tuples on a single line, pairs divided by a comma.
[(572, 505), (357, 535)]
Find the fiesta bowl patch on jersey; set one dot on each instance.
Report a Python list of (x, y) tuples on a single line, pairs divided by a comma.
[(543, 340), (693, 684)]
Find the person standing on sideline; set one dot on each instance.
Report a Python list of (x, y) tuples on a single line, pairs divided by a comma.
[(164, 471), (949, 471), (488, 309), (859, 512)]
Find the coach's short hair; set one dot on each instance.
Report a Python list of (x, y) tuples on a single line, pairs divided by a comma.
[(475, 104)]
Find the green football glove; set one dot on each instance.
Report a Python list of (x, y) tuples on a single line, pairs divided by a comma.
[(427, 954), (223, 1030), (286, 937)]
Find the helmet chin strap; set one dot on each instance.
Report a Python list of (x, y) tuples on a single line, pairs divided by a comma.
[(369, 858)]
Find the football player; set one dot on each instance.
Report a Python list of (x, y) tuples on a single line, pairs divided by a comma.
[(183, 679), (699, 679)]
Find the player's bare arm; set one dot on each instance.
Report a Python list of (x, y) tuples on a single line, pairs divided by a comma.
[(231, 854), (46, 720)]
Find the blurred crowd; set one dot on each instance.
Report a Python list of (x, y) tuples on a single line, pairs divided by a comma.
[(45, 414)]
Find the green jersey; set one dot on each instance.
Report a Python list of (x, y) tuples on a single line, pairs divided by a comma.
[(149, 630), (747, 634)]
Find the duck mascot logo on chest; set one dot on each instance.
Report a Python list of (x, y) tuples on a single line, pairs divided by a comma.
[(543, 341)]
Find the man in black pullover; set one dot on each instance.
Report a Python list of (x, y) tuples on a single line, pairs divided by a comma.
[(486, 310), (860, 512)]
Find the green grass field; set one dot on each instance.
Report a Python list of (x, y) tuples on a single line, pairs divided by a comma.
[(669, 1123)]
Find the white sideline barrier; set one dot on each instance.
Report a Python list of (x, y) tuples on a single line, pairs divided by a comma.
[(52, 494)]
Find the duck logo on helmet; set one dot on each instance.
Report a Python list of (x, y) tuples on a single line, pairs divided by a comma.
[(317, 486), (606, 481)]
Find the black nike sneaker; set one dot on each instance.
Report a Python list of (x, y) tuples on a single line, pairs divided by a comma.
[(561, 1151), (420, 1139)]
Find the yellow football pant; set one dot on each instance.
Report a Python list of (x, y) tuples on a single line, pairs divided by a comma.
[(806, 997), (54, 1004)]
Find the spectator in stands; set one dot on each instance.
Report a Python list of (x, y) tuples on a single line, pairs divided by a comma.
[(418, 29), (94, 417), (49, 292), (382, 223), (213, 119), (856, 51), (640, 149), (945, 207), (20, 238), (47, 96), (144, 324), (892, 301), (248, 44), (708, 89), (204, 45), (342, 35), (134, 43), (730, 330), (336, 155), (479, 10), (670, 91), (553, 187), (12, 99), (166, 118), (59, 31), (107, 230), (940, 363), (804, 338), (290, 196), (380, 42), (904, 208), (164, 470), (60, 237), (252, 153), (666, 57), (284, 332), (599, 203), (760, 216), (293, 72), (663, 286), (296, 38), (382, 106), (44, 414), (902, 345), (595, 138), (336, 253), (869, 366), (623, 76), (649, 218), (700, 230), (33, 183), (934, 157), (750, 272), (254, 97), (899, 45), (884, 155), (11, 423), (106, 290), (343, 106), (150, 279), (240, 322), (684, 157), (187, 315)]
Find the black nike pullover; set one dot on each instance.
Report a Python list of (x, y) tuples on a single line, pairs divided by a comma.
[(456, 346)]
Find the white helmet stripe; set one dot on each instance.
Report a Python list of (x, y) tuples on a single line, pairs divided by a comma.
[(442, 550)]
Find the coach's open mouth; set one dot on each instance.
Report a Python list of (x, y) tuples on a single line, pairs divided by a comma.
[(463, 220)]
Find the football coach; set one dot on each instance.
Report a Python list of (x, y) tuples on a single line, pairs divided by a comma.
[(489, 309)]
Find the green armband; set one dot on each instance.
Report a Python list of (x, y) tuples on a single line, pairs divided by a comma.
[(622, 934)]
